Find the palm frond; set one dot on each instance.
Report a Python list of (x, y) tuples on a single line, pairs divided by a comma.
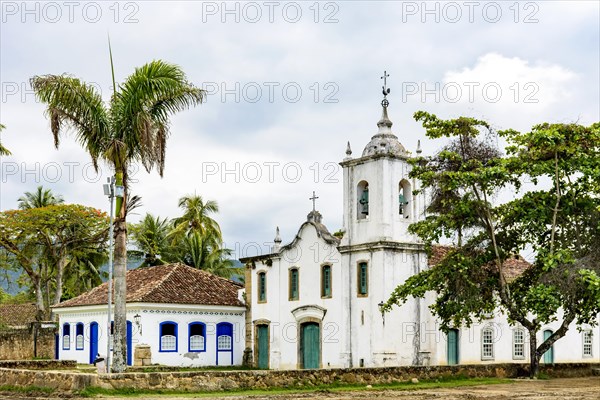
[(74, 104), (40, 198), (144, 105), (3, 150)]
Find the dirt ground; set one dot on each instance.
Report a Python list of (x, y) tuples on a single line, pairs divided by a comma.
[(555, 389)]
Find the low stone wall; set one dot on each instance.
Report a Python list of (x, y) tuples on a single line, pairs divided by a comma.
[(39, 364), (27, 343), (198, 381), (60, 381), (228, 380)]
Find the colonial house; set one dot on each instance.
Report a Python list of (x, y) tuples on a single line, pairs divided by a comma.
[(180, 316), (316, 302)]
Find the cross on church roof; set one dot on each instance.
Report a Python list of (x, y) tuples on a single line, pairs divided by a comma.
[(386, 90), (314, 200)]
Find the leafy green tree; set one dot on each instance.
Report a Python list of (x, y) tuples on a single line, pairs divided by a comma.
[(40, 198), (132, 128), (553, 173), (83, 273), (3, 150), (45, 241)]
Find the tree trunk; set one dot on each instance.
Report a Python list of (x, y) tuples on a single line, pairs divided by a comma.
[(39, 298), (120, 285), (534, 358), (60, 272)]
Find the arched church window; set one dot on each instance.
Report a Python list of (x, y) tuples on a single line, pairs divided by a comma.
[(294, 284), (404, 198), (262, 287), (363, 199)]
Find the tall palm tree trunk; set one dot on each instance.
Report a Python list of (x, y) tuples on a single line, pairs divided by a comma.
[(120, 283)]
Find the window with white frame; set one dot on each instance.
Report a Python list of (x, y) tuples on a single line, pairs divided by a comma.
[(224, 342), (587, 343), (66, 344), (487, 343), (168, 336), (79, 336), (518, 344), (197, 338)]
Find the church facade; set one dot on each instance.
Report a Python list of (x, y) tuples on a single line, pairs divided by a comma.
[(316, 302)]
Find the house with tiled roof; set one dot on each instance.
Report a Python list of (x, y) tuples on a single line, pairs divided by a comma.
[(176, 315), (17, 316)]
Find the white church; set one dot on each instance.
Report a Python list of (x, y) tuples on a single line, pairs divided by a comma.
[(316, 302)]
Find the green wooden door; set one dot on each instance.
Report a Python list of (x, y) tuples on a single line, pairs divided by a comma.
[(548, 355), (453, 347), (262, 333), (311, 346)]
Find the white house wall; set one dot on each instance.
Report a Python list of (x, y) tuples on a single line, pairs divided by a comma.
[(568, 349), (151, 316)]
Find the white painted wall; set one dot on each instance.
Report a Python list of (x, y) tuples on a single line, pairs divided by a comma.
[(310, 253), (151, 316)]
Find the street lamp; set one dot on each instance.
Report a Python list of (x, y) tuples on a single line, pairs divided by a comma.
[(111, 190), (381, 306), (137, 318)]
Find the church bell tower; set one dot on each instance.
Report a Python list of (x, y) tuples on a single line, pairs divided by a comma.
[(378, 193), (377, 251)]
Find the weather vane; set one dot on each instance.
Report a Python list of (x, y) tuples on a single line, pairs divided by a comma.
[(386, 90)]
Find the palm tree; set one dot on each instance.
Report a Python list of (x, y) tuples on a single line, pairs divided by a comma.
[(196, 218), (40, 198), (150, 238), (133, 127), (3, 150), (197, 251)]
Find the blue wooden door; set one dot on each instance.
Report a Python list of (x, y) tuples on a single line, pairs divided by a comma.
[(129, 343), (224, 343), (262, 337), (310, 341), (453, 347), (548, 355), (93, 341)]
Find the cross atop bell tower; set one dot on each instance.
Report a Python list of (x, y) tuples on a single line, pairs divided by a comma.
[(314, 200), (386, 90)]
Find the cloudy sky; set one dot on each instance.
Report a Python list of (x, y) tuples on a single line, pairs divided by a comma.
[(289, 84)]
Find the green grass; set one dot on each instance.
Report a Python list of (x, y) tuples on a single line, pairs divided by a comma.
[(444, 382), (26, 389)]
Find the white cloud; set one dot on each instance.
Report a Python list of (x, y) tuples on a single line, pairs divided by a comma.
[(559, 54)]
